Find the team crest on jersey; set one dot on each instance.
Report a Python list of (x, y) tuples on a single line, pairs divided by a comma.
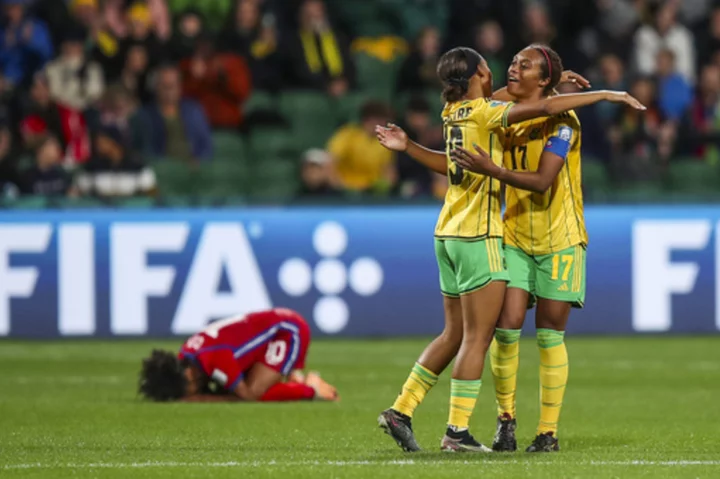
[(535, 133), (565, 133)]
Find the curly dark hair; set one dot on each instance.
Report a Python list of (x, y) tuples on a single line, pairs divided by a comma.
[(161, 377)]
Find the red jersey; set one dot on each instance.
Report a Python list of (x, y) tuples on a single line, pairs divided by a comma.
[(226, 349)]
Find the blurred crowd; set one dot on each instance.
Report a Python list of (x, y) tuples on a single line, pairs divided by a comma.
[(93, 93)]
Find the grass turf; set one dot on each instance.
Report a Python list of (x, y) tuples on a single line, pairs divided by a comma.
[(635, 407)]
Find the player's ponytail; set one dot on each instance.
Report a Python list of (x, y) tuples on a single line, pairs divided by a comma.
[(455, 69), (551, 66)]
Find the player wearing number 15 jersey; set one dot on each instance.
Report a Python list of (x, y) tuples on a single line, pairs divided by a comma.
[(238, 358), (468, 241)]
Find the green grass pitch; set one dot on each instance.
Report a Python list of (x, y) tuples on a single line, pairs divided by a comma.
[(635, 407)]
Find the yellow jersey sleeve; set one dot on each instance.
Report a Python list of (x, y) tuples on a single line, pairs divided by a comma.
[(563, 135), (490, 114)]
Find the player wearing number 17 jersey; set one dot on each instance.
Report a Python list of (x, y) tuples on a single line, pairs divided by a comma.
[(468, 241), (545, 241), (255, 357)]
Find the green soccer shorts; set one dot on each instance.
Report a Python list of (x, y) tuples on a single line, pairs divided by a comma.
[(466, 266), (558, 276)]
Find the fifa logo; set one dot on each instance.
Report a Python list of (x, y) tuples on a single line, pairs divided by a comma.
[(331, 277)]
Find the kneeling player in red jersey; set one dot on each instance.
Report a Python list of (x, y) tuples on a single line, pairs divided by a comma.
[(256, 357)]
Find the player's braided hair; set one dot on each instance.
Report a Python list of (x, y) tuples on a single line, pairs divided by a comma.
[(455, 69), (162, 377), (551, 66)]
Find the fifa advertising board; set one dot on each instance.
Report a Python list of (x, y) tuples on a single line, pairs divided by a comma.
[(353, 271)]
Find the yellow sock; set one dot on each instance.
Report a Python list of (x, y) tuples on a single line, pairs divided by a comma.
[(463, 395), (418, 384), (504, 362), (553, 378)]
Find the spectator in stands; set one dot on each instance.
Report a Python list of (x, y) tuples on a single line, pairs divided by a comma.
[(490, 42), (255, 38), (464, 15), (418, 71), (43, 116), (635, 138), (118, 108), (105, 46), (700, 129), (75, 81), (55, 15), (317, 55), (616, 23), (25, 43), (179, 128), (9, 178), (116, 21), (215, 12), (189, 28), (612, 77), (47, 177), (140, 32), (360, 161), (674, 92), (220, 82), (415, 179), (665, 33), (134, 75), (708, 40), (113, 171), (537, 25), (317, 176), (40, 105)]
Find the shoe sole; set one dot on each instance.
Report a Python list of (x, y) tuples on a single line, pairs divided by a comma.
[(451, 447), (385, 426)]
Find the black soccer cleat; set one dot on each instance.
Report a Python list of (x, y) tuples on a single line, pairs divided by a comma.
[(544, 443), (504, 440), (461, 442), (399, 427)]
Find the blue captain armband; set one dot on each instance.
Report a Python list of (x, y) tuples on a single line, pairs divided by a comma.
[(560, 144)]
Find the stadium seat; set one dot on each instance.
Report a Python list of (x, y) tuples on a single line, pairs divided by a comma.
[(228, 144), (274, 179), (312, 116), (79, 203), (26, 203), (222, 179), (594, 176), (376, 77), (270, 141), (260, 101), (693, 176), (348, 107), (174, 177), (141, 202)]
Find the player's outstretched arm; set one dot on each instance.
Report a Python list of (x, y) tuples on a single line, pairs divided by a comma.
[(562, 103), (394, 138), (536, 181)]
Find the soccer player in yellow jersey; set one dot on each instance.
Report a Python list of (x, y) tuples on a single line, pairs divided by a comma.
[(468, 241), (544, 242)]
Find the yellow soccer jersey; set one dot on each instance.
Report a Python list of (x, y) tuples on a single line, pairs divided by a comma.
[(543, 223), (473, 202)]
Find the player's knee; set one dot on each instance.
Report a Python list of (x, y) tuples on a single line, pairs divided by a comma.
[(511, 319), (452, 335)]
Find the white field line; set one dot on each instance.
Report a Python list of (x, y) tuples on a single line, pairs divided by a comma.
[(257, 464)]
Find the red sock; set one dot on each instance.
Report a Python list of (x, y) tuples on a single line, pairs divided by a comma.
[(288, 392)]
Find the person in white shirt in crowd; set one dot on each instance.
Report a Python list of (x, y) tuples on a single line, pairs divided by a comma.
[(666, 33), (75, 80)]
